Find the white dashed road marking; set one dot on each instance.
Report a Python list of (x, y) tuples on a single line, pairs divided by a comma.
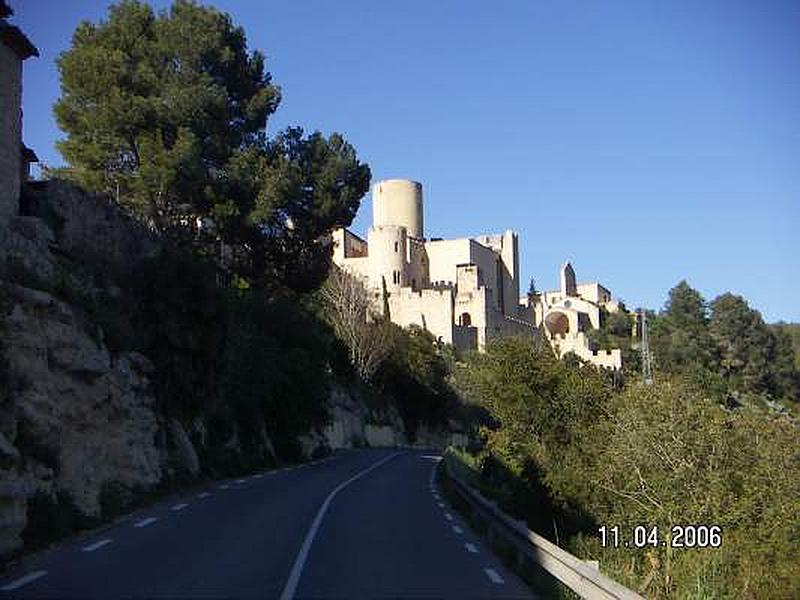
[(224, 486), (494, 576), (96, 545), (203, 495), (448, 516), (471, 548), (15, 585), (441, 504), (240, 481), (145, 522), (300, 561), (180, 506), (257, 476), (458, 529)]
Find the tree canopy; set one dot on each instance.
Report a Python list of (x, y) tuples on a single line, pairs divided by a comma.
[(726, 341), (167, 113)]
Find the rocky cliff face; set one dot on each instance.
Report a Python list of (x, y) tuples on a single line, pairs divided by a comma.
[(353, 425), (74, 419), (77, 418)]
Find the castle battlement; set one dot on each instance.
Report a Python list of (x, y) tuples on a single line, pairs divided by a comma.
[(461, 290)]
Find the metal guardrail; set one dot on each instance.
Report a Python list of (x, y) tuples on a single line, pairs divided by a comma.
[(576, 574)]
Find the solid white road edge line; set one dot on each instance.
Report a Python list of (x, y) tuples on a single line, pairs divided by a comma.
[(146, 522), (300, 561), (96, 545), (494, 576), (15, 585)]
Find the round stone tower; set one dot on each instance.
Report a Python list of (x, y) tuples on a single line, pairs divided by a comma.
[(387, 255), (398, 202)]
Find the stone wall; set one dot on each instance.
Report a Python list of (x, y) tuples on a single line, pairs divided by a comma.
[(10, 131)]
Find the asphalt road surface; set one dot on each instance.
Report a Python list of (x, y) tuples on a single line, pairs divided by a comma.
[(361, 524)]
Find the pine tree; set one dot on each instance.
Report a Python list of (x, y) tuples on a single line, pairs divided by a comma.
[(167, 113)]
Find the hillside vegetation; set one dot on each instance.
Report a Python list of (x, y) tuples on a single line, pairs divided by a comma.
[(712, 442)]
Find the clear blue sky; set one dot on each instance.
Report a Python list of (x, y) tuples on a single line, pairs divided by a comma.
[(644, 141)]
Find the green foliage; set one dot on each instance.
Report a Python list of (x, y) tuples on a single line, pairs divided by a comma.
[(415, 376), (167, 113), (792, 332), (305, 186), (540, 405), (155, 106), (176, 310), (750, 357), (726, 345), (680, 337), (615, 332), (664, 455), (274, 368)]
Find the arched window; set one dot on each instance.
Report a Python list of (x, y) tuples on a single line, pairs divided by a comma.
[(465, 320)]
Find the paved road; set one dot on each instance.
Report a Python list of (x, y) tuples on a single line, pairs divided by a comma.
[(363, 524)]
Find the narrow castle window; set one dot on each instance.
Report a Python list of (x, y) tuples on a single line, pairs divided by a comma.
[(396, 247), (465, 320)]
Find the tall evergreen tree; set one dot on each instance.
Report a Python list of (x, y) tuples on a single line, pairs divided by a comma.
[(680, 335), (156, 106), (746, 346), (167, 113)]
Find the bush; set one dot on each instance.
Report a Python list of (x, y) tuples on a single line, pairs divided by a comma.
[(273, 367), (414, 376), (661, 455)]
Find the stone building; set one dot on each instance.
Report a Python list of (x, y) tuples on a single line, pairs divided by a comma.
[(464, 291), (15, 158), (569, 313)]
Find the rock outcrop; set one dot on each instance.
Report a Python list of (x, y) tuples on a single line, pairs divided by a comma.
[(353, 425), (90, 228), (74, 418)]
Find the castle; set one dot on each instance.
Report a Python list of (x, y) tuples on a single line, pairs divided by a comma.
[(464, 291), (571, 311)]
